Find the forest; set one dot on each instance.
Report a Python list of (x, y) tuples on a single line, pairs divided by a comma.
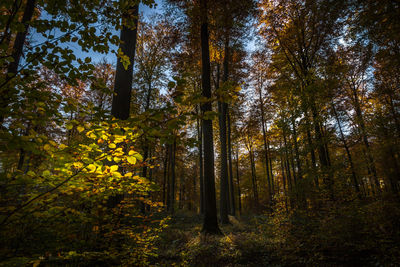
[(200, 133)]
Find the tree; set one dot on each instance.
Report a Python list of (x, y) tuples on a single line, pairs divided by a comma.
[(210, 223), (126, 53)]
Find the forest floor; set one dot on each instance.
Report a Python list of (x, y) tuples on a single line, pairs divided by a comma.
[(241, 244), (256, 241)]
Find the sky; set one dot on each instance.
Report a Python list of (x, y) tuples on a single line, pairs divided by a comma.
[(98, 57), (111, 57)]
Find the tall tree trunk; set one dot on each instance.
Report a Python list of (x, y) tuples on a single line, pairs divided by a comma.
[(6, 93), (165, 174), (296, 149), (287, 165), (173, 177), (346, 147), (224, 192), (265, 144), (224, 184), (271, 170), (285, 191), (168, 195), (123, 77), (231, 186), (201, 168), (210, 223), (361, 124), (238, 181), (312, 152), (323, 152), (254, 179)]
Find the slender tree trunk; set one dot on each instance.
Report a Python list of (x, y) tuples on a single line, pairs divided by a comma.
[(271, 170), (285, 191), (312, 153), (296, 149), (287, 165), (6, 36), (201, 170), (224, 185), (165, 174), (173, 177), (238, 181), (231, 186), (265, 144), (181, 191), (168, 195), (323, 152), (6, 94), (224, 192), (253, 179), (123, 77), (210, 223), (346, 147), (361, 124)]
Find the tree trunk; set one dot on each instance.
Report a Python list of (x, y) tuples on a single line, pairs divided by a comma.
[(224, 192), (173, 178), (361, 124), (210, 223), (201, 170), (271, 170), (284, 182), (238, 181), (312, 152), (6, 93), (254, 179), (168, 195), (231, 186), (322, 150), (265, 145), (346, 147), (224, 184), (165, 174), (123, 77)]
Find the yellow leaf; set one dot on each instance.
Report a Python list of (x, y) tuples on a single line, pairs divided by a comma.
[(112, 146), (53, 143), (131, 160), (91, 168), (78, 165), (46, 147), (114, 168), (62, 146), (80, 128)]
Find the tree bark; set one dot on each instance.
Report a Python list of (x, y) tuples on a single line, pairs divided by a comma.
[(265, 144), (6, 93), (201, 168), (123, 77), (238, 181), (346, 147), (361, 124), (173, 178), (231, 186), (224, 192), (165, 174), (210, 222)]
